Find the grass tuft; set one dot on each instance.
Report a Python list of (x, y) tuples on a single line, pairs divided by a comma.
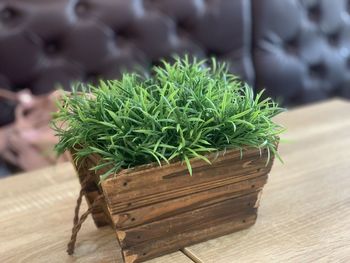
[(184, 110)]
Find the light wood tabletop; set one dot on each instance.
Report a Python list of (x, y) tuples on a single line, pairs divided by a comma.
[(304, 214)]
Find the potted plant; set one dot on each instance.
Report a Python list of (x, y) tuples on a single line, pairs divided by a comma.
[(169, 160)]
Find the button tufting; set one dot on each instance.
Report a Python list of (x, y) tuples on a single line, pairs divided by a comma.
[(312, 37), (185, 25), (124, 34), (333, 38), (348, 62), (317, 70), (82, 7), (314, 13), (292, 45), (92, 77), (52, 47), (7, 14), (110, 36)]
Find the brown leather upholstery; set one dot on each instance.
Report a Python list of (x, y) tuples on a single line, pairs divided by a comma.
[(302, 48), (45, 42)]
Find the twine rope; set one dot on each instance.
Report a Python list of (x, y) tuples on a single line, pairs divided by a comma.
[(77, 222)]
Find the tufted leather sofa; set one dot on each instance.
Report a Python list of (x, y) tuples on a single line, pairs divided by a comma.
[(301, 48), (297, 49), (46, 42)]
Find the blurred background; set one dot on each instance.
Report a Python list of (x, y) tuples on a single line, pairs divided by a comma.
[(298, 50)]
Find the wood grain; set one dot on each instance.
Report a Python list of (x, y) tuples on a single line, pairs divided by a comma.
[(217, 213), (180, 210), (305, 209), (218, 227), (185, 203), (89, 181), (36, 213), (304, 214), (131, 185)]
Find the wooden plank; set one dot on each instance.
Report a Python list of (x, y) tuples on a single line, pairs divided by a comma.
[(164, 194), (168, 178), (168, 192), (148, 250), (185, 203), (82, 167), (252, 163), (116, 208), (195, 219), (304, 214), (36, 214)]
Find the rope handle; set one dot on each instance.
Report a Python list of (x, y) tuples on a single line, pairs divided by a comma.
[(78, 222)]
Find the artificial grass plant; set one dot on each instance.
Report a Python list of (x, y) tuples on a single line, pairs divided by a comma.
[(184, 110)]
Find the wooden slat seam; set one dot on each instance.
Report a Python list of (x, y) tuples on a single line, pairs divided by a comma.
[(239, 195), (191, 256), (230, 181)]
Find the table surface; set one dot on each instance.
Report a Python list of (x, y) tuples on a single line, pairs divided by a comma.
[(304, 214)]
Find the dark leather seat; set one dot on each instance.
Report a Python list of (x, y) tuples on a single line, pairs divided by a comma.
[(302, 48), (299, 51), (45, 43)]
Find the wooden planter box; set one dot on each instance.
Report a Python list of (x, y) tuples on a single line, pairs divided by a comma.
[(157, 210)]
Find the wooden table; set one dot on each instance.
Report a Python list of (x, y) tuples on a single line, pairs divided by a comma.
[(304, 214)]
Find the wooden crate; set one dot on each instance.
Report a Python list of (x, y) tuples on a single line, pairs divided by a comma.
[(93, 189), (158, 210)]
